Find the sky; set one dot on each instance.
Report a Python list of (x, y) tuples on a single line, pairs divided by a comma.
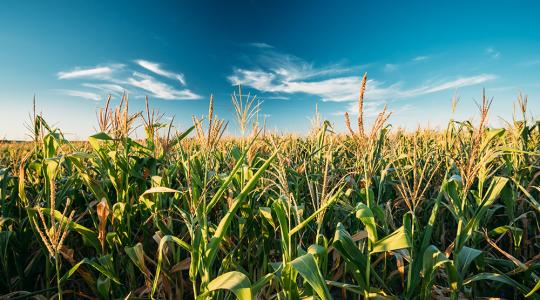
[(294, 55)]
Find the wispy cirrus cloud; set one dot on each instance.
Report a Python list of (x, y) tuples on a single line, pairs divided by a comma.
[(276, 83), (286, 74), (530, 63), (390, 67), (80, 94), (95, 72), (420, 58), (280, 73), (120, 78), (261, 45), (372, 109), (493, 53), (447, 85), (159, 89), (156, 68), (106, 87)]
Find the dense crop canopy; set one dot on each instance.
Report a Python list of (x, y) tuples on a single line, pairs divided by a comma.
[(377, 213)]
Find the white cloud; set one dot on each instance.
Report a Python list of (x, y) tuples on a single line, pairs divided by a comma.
[(420, 58), (371, 109), (390, 67), (159, 89), (81, 94), (96, 72), (278, 73), (291, 67), (274, 97), (283, 73), (156, 68), (453, 84), (111, 79), (492, 52), (338, 89), (260, 45), (278, 82), (106, 87), (530, 63), (344, 88)]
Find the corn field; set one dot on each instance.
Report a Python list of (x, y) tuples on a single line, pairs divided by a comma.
[(377, 212)]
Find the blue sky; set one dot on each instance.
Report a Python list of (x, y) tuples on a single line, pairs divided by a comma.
[(291, 54)]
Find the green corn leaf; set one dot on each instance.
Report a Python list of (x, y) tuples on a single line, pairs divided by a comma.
[(96, 138), (491, 135), (279, 208), (257, 286), (5, 236), (534, 289), (432, 260), (227, 219), (234, 281), (451, 190), (103, 287), (105, 266), (154, 190), (195, 254), (136, 254), (266, 212), (223, 187), (180, 137), (347, 286), (158, 189), (533, 202), (94, 185), (365, 215), (164, 240), (495, 188), (72, 270), (502, 278), (329, 202), (517, 233), (466, 257), (344, 244), (398, 239), (306, 266)]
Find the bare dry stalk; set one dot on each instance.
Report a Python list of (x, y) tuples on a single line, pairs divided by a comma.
[(473, 167), (104, 116), (214, 132), (414, 181), (381, 119), (118, 122), (455, 101), (210, 117), (361, 106), (52, 233), (522, 106), (348, 124), (245, 111)]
